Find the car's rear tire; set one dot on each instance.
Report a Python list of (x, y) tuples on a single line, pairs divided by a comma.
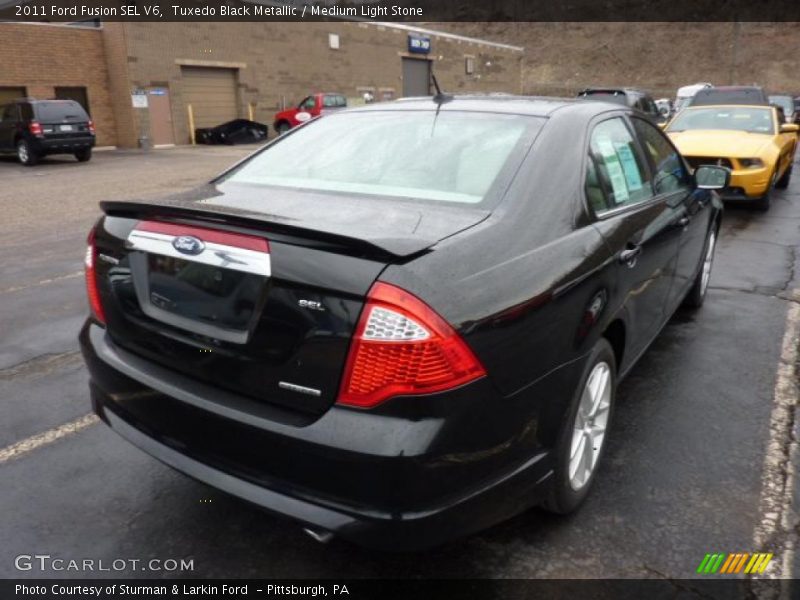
[(84, 155), (26, 155), (587, 419), (697, 293), (282, 127), (783, 182)]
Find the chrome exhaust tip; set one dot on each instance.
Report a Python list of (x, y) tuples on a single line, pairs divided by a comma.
[(323, 536)]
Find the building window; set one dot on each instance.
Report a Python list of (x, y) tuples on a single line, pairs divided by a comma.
[(7, 94), (74, 93), (333, 41), (469, 65)]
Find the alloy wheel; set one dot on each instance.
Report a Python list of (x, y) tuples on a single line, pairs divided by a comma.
[(22, 153), (589, 429)]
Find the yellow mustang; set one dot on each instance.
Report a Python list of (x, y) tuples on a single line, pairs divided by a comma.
[(752, 141)]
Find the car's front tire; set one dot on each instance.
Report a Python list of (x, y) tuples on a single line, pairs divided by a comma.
[(282, 127), (581, 442), (84, 155), (764, 202), (26, 155), (697, 293), (783, 182)]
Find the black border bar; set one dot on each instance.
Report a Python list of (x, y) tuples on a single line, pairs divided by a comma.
[(402, 10)]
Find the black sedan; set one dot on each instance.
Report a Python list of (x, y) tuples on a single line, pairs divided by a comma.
[(402, 323)]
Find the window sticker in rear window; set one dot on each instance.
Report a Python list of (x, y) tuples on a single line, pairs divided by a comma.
[(629, 166), (614, 169)]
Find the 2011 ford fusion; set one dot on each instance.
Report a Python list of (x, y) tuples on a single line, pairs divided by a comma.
[(402, 323)]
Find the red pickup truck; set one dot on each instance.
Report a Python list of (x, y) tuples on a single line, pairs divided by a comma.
[(310, 107)]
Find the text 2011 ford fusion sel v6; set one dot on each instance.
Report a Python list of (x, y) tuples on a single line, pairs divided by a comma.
[(401, 323)]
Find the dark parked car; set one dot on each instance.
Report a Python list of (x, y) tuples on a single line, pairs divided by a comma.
[(401, 323), (35, 128), (730, 94), (635, 98), (238, 131), (786, 104)]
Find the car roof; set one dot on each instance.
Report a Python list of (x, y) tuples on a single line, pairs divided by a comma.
[(536, 106), (738, 94), (614, 89)]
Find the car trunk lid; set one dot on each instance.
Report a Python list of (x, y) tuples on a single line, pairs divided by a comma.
[(260, 302)]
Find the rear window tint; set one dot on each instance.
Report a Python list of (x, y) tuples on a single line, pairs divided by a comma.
[(721, 96), (63, 110)]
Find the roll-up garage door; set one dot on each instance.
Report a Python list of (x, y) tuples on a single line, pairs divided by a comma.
[(212, 94)]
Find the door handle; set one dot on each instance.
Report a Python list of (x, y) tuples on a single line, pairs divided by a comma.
[(683, 221), (628, 256)]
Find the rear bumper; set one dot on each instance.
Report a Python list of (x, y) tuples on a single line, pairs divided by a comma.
[(63, 145), (384, 481)]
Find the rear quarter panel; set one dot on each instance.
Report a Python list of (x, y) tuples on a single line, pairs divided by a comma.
[(519, 285)]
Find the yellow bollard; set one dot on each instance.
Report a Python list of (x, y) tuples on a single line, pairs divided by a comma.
[(191, 124), (250, 110)]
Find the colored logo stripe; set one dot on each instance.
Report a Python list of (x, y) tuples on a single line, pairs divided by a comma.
[(734, 563)]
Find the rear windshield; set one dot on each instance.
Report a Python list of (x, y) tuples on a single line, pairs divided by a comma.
[(736, 118), (452, 157), (737, 96), (60, 110)]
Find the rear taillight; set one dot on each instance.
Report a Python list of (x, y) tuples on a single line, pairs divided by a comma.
[(35, 128), (402, 347), (91, 279), (90, 124)]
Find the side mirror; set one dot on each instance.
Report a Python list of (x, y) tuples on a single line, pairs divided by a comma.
[(710, 177), (790, 128), (663, 124)]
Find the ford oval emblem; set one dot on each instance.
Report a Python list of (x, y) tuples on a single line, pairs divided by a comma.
[(187, 244)]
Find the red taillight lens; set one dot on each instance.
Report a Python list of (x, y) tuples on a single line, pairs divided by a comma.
[(91, 280), (91, 126), (402, 347), (35, 128)]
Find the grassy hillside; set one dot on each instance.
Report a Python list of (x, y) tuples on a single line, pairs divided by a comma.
[(561, 58)]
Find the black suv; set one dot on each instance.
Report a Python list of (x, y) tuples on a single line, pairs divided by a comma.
[(34, 128), (633, 97), (730, 94)]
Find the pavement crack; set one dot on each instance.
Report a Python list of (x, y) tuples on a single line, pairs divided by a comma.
[(40, 365), (680, 585), (780, 293), (792, 266)]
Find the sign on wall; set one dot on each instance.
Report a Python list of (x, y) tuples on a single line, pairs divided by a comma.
[(419, 44), (139, 98)]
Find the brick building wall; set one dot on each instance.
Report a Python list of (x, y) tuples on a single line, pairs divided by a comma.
[(281, 63), (42, 57)]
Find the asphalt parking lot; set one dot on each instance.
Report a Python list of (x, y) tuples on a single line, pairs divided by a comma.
[(699, 457)]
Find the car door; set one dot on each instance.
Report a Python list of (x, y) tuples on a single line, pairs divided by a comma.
[(8, 123), (638, 225), (691, 213), (305, 111)]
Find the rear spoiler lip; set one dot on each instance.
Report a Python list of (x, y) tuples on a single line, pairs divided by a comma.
[(381, 248)]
